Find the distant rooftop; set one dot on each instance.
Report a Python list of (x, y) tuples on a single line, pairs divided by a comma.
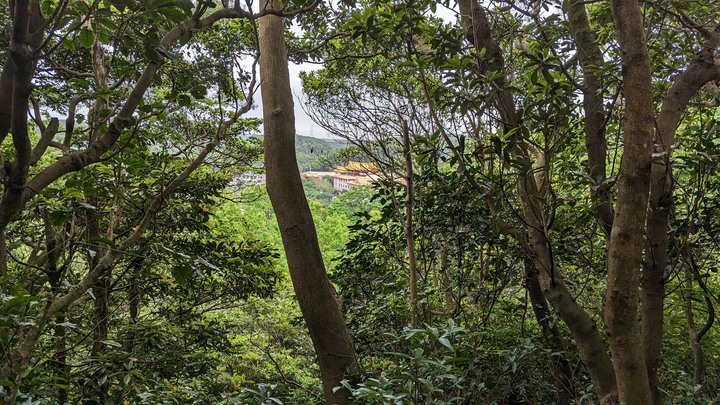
[(360, 167)]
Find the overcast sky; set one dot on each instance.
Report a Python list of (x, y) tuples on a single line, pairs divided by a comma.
[(303, 124)]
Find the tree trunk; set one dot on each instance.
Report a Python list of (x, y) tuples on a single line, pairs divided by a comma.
[(27, 36), (695, 347), (582, 326), (695, 336), (54, 275), (3, 256), (701, 71), (591, 61), (136, 265), (92, 393), (562, 372), (409, 229), (317, 298), (626, 240), (451, 303)]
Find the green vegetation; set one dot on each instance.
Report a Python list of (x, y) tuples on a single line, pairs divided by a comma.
[(542, 227)]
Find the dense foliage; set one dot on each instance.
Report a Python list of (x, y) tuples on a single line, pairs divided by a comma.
[(542, 226)]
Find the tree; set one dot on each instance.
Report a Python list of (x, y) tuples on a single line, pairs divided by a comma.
[(118, 73), (316, 295), (514, 92)]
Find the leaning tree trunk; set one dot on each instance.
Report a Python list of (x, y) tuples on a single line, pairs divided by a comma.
[(591, 62), (318, 302), (409, 228)]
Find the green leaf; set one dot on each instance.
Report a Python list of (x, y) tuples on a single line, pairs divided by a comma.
[(69, 44), (182, 274), (58, 218), (112, 343), (86, 38), (20, 300), (199, 92), (47, 7), (184, 100), (73, 193), (445, 342)]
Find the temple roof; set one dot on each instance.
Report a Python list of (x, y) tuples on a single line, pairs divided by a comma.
[(360, 167)]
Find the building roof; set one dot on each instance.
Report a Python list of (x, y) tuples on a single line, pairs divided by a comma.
[(360, 181), (360, 167)]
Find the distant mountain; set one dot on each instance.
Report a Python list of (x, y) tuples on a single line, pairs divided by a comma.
[(313, 153), (311, 142)]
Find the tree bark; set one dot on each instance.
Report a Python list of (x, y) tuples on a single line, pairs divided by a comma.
[(591, 63), (701, 70), (54, 274), (562, 372), (318, 302), (409, 228), (582, 327), (626, 239), (20, 67), (692, 273), (695, 347)]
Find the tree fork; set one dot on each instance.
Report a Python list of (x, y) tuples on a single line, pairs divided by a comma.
[(627, 236)]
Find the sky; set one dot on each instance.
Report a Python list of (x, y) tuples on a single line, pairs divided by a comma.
[(303, 124)]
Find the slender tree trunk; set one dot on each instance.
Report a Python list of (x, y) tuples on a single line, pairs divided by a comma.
[(582, 327), (96, 394), (100, 316), (134, 298), (591, 62), (62, 369), (695, 336), (3, 255), (695, 347), (562, 372), (54, 274), (627, 237), (653, 276), (317, 298), (451, 304), (409, 229)]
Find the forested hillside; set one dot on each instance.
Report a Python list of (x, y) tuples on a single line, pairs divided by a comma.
[(541, 224), (319, 154)]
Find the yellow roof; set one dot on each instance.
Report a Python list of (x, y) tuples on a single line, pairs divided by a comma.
[(360, 181), (362, 167)]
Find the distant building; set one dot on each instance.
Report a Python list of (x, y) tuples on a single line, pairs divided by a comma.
[(358, 168), (354, 174), (250, 178)]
